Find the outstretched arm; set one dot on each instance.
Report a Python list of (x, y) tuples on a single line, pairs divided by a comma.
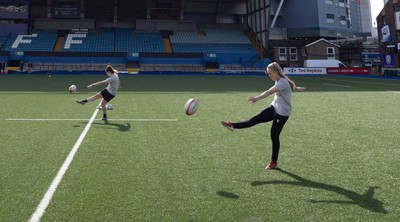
[(265, 94), (299, 89), (97, 83)]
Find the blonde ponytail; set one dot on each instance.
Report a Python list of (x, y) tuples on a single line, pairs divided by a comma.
[(275, 66), (111, 69)]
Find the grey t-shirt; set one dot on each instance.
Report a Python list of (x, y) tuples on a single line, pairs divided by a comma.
[(113, 81), (283, 98)]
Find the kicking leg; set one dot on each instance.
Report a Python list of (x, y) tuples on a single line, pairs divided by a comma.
[(90, 99), (265, 115)]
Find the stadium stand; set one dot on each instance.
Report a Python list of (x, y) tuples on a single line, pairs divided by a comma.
[(84, 49), (173, 68), (38, 41), (50, 66), (110, 40), (3, 40), (212, 40), (128, 41), (91, 41), (133, 35)]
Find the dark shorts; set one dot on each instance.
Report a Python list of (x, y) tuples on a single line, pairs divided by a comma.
[(107, 96)]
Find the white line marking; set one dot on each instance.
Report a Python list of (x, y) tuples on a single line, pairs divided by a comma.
[(145, 120), (132, 120), (352, 81), (327, 84), (52, 189)]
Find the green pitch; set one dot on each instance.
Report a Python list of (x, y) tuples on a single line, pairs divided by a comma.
[(339, 158)]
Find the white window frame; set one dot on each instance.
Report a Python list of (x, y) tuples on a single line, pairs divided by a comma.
[(293, 56), (330, 55), (329, 2), (283, 54)]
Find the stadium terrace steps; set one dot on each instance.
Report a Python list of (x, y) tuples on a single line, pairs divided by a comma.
[(167, 45), (256, 44), (59, 44)]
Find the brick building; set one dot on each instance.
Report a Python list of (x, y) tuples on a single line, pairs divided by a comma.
[(292, 53), (388, 22)]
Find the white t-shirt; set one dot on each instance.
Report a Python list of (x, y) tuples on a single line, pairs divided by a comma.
[(283, 98), (113, 81)]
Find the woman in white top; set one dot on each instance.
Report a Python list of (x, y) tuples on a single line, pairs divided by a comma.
[(108, 93), (278, 111)]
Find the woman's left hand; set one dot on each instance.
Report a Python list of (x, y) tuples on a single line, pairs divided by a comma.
[(301, 89), (252, 99)]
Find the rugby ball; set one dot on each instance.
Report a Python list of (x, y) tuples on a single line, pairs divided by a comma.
[(191, 106), (72, 89)]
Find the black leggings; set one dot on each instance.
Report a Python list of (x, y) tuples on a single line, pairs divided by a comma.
[(266, 115)]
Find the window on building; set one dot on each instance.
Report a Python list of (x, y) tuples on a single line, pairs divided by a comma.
[(329, 2), (395, 7), (330, 52), (330, 18), (341, 3), (293, 54), (343, 20), (304, 51), (282, 54)]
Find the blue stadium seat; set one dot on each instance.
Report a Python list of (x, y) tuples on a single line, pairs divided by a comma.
[(210, 40), (3, 40), (214, 40), (39, 41), (126, 41), (90, 42), (121, 40)]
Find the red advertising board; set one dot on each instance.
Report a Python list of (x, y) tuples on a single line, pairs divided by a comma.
[(347, 71)]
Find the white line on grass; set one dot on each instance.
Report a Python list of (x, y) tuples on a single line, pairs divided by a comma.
[(351, 81), (133, 120), (41, 208), (327, 84)]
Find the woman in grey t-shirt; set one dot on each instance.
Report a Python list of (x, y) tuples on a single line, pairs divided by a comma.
[(278, 111), (108, 93)]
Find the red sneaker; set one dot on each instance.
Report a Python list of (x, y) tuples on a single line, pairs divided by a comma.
[(228, 125), (271, 165)]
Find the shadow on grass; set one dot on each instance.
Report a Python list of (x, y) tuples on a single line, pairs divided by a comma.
[(121, 127), (365, 200), (228, 195)]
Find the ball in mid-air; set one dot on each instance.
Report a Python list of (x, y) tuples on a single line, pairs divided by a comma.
[(72, 89), (191, 106)]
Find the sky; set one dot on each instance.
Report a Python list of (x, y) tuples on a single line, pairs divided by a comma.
[(376, 7)]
